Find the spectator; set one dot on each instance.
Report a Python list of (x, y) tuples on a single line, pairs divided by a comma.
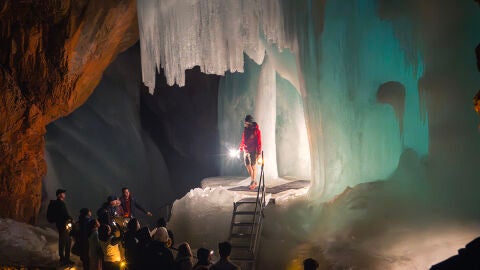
[(131, 243), (63, 222), (128, 204), (158, 254), (81, 235), (111, 251), (204, 257), (310, 264), (109, 210), (184, 257), (161, 222), (224, 249), (95, 254)]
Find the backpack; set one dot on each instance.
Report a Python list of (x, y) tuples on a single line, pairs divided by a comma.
[(52, 211)]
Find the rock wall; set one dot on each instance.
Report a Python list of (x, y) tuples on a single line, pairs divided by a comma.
[(52, 55)]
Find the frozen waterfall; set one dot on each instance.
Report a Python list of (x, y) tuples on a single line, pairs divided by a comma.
[(365, 96), (177, 35)]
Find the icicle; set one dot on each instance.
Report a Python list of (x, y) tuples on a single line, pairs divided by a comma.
[(214, 34)]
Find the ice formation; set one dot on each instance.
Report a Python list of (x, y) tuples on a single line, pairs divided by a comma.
[(339, 56), (177, 35), (331, 63), (331, 124), (266, 114), (337, 66), (339, 234), (278, 109)]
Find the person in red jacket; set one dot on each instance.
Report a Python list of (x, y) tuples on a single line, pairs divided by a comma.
[(251, 146)]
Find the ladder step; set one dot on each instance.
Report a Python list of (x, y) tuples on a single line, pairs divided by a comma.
[(246, 213), (240, 203), (241, 235), (243, 224), (248, 200)]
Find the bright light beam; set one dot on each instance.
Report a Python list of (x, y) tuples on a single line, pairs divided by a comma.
[(260, 160), (233, 153)]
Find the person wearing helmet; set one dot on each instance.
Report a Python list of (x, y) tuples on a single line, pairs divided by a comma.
[(251, 146)]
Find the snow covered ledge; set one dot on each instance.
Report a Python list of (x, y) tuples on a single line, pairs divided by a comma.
[(25, 245)]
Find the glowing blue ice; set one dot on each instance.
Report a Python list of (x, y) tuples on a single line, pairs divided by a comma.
[(340, 53)]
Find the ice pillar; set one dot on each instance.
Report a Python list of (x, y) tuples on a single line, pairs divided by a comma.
[(266, 114)]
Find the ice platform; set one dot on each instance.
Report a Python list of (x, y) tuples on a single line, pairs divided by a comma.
[(278, 190)]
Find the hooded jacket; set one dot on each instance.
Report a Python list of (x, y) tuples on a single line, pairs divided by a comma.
[(251, 139)]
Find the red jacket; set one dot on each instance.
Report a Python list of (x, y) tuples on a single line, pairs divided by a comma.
[(251, 139)]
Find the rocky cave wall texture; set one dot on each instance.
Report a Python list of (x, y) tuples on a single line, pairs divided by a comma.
[(52, 55)]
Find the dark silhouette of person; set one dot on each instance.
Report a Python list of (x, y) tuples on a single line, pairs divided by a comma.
[(158, 254), (224, 249), (81, 235), (95, 253), (131, 244), (63, 222), (204, 257), (161, 222), (183, 260), (310, 264), (109, 210), (468, 258)]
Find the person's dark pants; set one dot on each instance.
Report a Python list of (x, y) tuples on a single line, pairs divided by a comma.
[(85, 261), (64, 244), (84, 256)]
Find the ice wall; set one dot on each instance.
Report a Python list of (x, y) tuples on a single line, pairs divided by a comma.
[(293, 153), (101, 147), (345, 56), (339, 66), (343, 68), (446, 35), (356, 138)]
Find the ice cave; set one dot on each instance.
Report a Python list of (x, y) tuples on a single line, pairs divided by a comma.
[(368, 111)]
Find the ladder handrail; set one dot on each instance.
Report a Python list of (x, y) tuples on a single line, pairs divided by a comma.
[(260, 202), (257, 218)]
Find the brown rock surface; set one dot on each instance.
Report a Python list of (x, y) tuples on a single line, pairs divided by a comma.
[(52, 55)]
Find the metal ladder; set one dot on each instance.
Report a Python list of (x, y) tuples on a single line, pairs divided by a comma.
[(246, 226)]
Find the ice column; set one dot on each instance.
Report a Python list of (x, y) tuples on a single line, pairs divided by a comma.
[(266, 114)]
